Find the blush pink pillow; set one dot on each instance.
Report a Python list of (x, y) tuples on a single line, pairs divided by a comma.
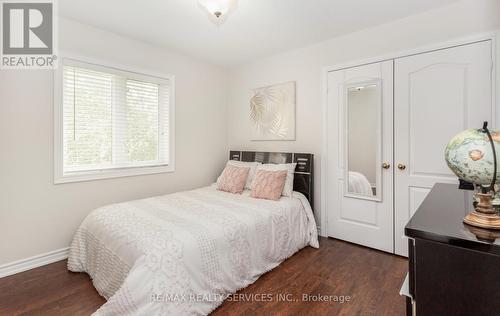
[(268, 184), (233, 179)]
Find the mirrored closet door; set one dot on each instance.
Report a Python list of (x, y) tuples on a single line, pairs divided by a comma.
[(360, 151), (376, 180)]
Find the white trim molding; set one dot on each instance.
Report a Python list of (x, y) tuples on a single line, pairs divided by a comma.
[(113, 171), (33, 262), (488, 36), (318, 228)]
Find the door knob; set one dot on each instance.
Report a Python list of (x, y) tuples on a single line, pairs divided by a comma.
[(401, 166), (386, 165)]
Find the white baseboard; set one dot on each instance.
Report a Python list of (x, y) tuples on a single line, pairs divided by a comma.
[(33, 262)]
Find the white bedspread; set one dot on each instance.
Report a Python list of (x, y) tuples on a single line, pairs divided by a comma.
[(358, 183), (183, 253)]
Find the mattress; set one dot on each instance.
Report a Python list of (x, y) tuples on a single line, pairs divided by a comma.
[(184, 253)]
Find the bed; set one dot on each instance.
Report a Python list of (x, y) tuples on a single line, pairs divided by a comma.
[(184, 253), (358, 183)]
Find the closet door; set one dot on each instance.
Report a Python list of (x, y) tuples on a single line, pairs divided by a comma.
[(359, 169), (436, 95)]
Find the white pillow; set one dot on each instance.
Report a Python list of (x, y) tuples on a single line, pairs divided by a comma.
[(289, 167), (251, 174)]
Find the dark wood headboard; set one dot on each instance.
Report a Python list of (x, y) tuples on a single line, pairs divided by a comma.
[(303, 180)]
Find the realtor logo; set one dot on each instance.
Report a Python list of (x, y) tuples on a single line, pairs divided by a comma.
[(28, 35)]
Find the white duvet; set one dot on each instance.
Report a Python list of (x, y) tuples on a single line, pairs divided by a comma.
[(358, 183), (183, 253)]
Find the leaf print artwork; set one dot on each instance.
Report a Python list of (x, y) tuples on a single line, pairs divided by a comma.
[(272, 112)]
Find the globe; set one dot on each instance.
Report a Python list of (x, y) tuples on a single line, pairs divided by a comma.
[(470, 156)]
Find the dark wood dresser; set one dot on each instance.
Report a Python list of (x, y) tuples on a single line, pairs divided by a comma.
[(454, 268)]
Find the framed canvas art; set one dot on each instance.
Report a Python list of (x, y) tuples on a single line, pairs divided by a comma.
[(272, 112)]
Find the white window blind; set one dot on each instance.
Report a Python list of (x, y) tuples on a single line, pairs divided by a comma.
[(113, 119)]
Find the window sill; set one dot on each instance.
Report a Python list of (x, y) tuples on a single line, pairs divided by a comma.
[(110, 174)]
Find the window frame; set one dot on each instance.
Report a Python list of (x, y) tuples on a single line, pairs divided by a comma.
[(115, 172)]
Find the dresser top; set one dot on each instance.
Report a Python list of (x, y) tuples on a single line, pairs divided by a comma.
[(439, 218)]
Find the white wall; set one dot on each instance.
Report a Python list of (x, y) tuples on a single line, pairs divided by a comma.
[(37, 216), (305, 66)]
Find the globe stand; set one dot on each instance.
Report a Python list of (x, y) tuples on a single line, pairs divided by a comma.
[(484, 215), (483, 234)]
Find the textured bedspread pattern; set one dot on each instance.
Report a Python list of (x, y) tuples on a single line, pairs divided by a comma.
[(183, 253)]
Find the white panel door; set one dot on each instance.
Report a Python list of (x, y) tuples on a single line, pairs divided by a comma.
[(366, 221), (436, 95)]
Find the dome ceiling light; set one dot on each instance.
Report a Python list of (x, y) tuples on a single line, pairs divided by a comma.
[(218, 9)]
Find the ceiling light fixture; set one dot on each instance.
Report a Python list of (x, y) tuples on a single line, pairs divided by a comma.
[(218, 9)]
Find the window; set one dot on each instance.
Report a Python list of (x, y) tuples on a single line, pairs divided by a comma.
[(111, 122)]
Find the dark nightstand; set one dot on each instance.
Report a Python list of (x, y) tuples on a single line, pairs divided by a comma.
[(454, 268)]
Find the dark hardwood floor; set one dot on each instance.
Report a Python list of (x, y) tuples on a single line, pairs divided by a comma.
[(371, 278)]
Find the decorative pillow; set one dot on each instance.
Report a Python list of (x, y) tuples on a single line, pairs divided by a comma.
[(288, 167), (251, 173), (268, 184), (233, 179)]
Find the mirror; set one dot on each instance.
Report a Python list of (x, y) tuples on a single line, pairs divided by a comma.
[(363, 140)]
